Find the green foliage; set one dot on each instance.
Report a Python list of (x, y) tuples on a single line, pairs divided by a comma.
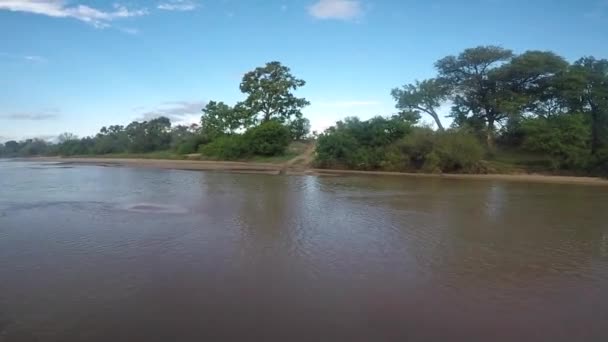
[(271, 138), (299, 128), (219, 118), (449, 151), (362, 145), (269, 93), (112, 139), (425, 96), (393, 145), (458, 151), (565, 138), (227, 147), (147, 136)]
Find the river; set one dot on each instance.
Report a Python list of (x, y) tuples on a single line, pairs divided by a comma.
[(90, 253)]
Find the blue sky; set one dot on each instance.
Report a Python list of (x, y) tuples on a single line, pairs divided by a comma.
[(77, 65)]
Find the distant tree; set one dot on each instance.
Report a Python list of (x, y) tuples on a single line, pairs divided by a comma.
[(219, 118), (479, 91), (587, 91), (33, 147), (63, 137), (425, 96), (269, 93), (111, 139), (299, 128), (11, 147), (147, 136)]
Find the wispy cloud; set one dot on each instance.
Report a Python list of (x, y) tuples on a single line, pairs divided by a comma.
[(29, 116), (129, 30), (35, 59), (178, 5), (27, 58), (177, 111), (336, 9), (62, 9)]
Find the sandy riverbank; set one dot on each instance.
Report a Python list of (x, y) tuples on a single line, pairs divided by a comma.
[(275, 169), (194, 165)]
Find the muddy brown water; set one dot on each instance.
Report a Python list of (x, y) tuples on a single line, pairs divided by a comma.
[(121, 254)]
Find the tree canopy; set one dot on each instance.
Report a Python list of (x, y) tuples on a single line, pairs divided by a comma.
[(269, 93)]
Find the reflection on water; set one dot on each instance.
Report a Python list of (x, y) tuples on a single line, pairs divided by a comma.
[(119, 254)]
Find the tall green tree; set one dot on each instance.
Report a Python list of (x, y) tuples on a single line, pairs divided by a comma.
[(533, 82), (587, 91), (425, 96), (270, 95), (479, 93)]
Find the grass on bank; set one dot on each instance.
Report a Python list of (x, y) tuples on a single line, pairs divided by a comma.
[(293, 150)]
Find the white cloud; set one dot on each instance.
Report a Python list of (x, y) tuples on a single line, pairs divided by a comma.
[(61, 9), (178, 5), (179, 112), (336, 9)]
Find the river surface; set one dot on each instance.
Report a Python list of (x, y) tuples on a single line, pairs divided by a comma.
[(93, 253)]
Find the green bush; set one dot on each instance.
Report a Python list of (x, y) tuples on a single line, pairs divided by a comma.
[(450, 151), (268, 139), (417, 146), (190, 145), (335, 150), (458, 151), (565, 138), (363, 145), (228, 147)]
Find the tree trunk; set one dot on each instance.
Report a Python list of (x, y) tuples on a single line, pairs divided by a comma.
[(595, 130), (490, 134), (437, 121)]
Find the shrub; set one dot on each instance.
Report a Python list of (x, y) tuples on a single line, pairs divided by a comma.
[(450, 151), (565, 138), (458, 151), (268, 139), (335, 149), (228, 147), (191, 144), (417, 146)]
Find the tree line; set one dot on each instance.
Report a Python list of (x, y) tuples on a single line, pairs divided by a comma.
[(534, 105), (535, 108), (264, 123)]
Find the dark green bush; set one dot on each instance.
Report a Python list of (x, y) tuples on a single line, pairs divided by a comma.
[(458, 151), (191, 144), (417, 146), (228, 147), (565, 138), (362, 145), (450, 151), (268, 139)]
